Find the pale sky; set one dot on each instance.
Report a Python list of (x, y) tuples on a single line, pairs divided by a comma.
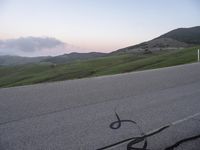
[(91, 25)]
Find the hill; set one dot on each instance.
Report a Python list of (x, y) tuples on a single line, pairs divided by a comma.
[(38, 73), (173, 48), (186, 35), (6, 60), (175, 39), (66, 58)]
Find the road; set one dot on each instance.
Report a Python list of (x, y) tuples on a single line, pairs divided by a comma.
[(76, 114)]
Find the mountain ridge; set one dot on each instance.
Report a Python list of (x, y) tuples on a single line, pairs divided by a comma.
[(8, 60), (177, 38)]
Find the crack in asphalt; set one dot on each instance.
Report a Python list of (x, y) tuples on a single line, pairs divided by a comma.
[(143, 137)]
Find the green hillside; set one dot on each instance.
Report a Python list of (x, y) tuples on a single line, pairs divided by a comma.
[(44, 72)]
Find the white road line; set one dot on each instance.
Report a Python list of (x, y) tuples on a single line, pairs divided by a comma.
[(176, 122), (185, 119)]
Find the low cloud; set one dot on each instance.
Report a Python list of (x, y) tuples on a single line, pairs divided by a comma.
[(30, 44), (36, 46)]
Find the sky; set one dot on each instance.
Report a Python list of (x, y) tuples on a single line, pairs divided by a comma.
[(53, 27)]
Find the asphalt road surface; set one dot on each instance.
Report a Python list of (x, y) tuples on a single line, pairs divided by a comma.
[(101, 112)]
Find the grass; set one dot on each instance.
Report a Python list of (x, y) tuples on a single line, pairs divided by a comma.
[(38, 73)]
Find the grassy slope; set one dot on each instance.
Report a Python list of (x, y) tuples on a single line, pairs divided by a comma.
[(30, 74)]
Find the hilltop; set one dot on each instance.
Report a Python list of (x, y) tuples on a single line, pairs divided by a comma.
[(175, 39)]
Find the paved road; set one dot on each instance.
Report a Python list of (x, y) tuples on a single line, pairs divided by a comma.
[(76, 114)]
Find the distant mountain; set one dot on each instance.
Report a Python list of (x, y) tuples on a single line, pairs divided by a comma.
[(61, 59), (66, 58), (178, 38), (6, 60), (175, 39)]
